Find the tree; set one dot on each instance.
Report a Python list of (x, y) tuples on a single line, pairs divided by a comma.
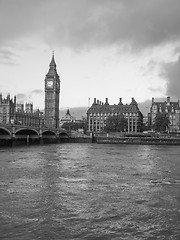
[(161, 122), (116, 124)]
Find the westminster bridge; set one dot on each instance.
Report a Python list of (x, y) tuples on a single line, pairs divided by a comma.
[(12, 134)]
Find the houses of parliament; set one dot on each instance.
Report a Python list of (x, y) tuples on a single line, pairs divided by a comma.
[(12, 112)]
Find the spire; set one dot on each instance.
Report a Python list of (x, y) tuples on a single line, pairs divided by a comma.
[(52, 66), (52, 63)]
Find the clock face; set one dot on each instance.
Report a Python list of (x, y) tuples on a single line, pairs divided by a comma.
[(49, 83)]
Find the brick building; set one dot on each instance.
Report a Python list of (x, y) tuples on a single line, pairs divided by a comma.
[(172, 109), (99, 112)]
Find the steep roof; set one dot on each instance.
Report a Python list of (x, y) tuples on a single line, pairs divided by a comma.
[(52, 67), (52, 63), (166, 106), (97, 108)]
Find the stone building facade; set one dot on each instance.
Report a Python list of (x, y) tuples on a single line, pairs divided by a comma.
[(67, 118), (7, 109), (18, 113), (99, 112), (172, 109), (27, 116)]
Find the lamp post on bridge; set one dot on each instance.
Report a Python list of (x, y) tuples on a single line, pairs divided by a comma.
[(40, 131), (13, 133)]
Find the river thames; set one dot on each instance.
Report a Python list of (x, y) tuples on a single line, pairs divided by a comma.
[(90, 191)]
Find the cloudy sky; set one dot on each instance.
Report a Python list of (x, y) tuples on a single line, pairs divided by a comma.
[(103, 48)]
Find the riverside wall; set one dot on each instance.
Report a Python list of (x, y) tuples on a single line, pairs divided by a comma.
[(138, 140), (23, 142), (146, 140)]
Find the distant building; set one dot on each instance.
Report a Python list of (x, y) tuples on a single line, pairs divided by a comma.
[(172, 109), (15, 113), (67, 118), (7, 109), (99, 112), (20, 107), (145, 120), (28, 116), (29, 107)]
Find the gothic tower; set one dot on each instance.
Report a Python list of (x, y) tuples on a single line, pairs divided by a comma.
[(52, 90)]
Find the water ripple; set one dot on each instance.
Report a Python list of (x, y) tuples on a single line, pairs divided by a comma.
[(89, 191)]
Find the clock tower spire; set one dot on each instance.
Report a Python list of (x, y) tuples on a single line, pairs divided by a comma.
[(52, 90)]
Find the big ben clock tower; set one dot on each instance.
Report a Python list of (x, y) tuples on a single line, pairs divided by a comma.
[(52, 90)]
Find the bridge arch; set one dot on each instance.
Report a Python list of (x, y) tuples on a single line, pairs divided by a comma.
[(4, 131), (48, 133), (26, 131), (49, 136), (63, 135), (26, 136)]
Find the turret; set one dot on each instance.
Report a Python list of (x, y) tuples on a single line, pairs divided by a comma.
[(8, 98), (15, 100), (29, 108)]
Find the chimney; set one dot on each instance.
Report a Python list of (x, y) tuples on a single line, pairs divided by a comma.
[(120, 101), (107, 101), (98, 102), (168, 100), (94, 100), (152, 100)]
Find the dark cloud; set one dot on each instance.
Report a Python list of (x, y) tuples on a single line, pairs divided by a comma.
[(37, 91), (137, 23), (6, 57), (21, 97), (171, 72), (91, 23), (155, 89)]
